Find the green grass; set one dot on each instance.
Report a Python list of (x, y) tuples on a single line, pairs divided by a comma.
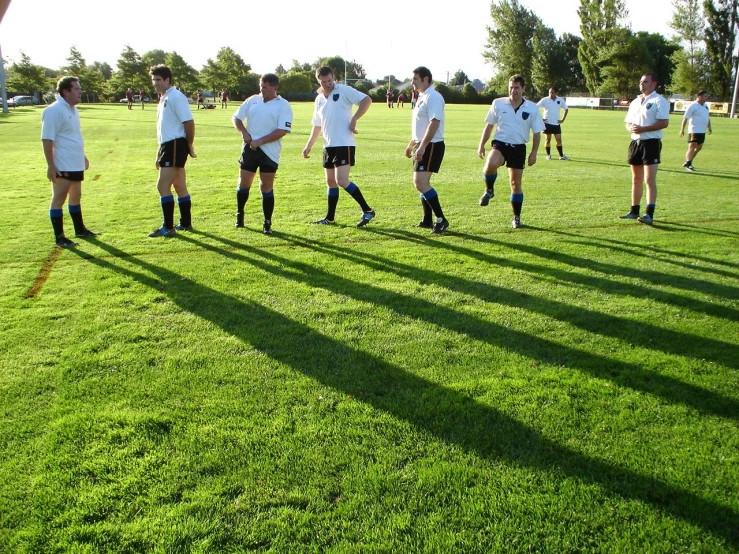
[(569, 387)]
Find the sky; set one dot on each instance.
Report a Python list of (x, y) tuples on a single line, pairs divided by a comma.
[(385, 42)]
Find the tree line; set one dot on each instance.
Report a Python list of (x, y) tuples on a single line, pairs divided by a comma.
[(609, 57)]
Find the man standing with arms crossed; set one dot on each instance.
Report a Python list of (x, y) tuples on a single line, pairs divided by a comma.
[(269, 117), (176, 133), (648, 114), (64, 150), (332, 117), (700, 121), (552, 104), (426, 147), (515, 117)]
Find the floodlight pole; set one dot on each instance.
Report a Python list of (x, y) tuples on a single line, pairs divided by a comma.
[(736, 84), (2, 83)]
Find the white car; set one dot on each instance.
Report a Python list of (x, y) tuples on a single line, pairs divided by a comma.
[(21, 101)]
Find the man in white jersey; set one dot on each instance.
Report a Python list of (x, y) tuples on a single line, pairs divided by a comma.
[(332, 117), (515, 117), (268, 118), (426, 147), (648, 114), (700, 121), (64, 149), (552, 105), (176, 133)]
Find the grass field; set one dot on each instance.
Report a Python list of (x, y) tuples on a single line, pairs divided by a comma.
[(572, 386)]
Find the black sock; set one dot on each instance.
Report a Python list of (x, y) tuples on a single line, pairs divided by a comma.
[(635, 209), (168, 212), (268, 204), (559, 149), (333, 201), (549, 150), (185, 205), (355, 193), (75, 212), (650, 210), (57, 222), (427, 212), (242, 195)]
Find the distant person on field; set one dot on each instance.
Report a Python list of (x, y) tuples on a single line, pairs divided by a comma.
[(390, 97), (552, 105), (414, 98), (268, 118), (516, 118), (141, 98), (426, 148), (129, 97), (700, 121), (224, 99), (176, 134), (332, 117), (201, 100), (64, 150), (401, 100), (648, 114)]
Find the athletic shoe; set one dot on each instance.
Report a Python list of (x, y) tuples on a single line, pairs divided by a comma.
[(181, 227), (628, 216), (646, 219), (440, 227), (64, 242), (86, 234), (516, 222), (239, 221), (564, 158), (424, 225), (267, 227), (485, 198), (366, 218), (163, 232), (690, 167), (549, 157), (324, 221), (686, 165)]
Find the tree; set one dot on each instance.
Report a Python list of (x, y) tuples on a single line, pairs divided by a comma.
[(154, 57), (75, 63), (27, 78), (336, 63), (132, 72), (296, 82), (690, 73), (183, 73), (229, 71), (721, 30), (599, 26), (510, 39), (280, 70), (660, 52), (549, 67), (104, 68), (460, 78), (576, 79), (622, 63)]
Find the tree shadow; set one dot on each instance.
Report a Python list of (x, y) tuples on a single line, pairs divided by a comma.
[(449, 415)]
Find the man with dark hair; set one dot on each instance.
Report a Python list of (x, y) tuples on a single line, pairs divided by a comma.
[(64, 150), (552, 105), (700, 121), (515, 117), (129, 97), (175, 133), (268, 118), (332, 117), (426, 147), (648, 114)]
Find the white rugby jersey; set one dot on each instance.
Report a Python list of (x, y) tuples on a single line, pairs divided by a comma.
[(430, 105), (513, 126), (647, 113), (551, 109), (334, 113), (698, 117), (264, 117), (60, 123), (172, 112)]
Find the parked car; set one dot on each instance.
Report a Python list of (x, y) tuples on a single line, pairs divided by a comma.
[(136, 99), (21, 101)]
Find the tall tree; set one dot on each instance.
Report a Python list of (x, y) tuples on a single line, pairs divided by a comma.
[(230, 71), (721, 30), (509, 46), (26, 78), (183, 73), (153, 57), (132, 72), (690, 72), (75, 63), (104, 68), (549, 65), (600, 30), (576, 79), (460, 79)]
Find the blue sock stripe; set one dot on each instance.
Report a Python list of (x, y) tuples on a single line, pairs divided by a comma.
[(490, 179), (270, 194), (167, 199), (181, 199), (517, 197), (333, 192), (351, 188), (431, 193), (651, 206), (56, 212), (77, 208)]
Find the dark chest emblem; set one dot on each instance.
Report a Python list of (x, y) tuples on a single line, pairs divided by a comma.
[(335, 96), (525, 115)]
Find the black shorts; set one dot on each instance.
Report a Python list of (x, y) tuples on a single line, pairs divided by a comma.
[(251, 160), (431, 159), (336, 156), (74, 176), (698, 138), (513, 154), (552, 129), (167, 151), (645, 152)]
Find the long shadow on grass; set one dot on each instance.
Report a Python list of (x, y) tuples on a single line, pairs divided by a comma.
[(447, 414), (608, 286)]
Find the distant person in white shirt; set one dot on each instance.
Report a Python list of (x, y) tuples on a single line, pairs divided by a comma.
[(175, 133), (268, 118), (552, 105), (516, 118), (332, 117), (700, 121), (648, 114)]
